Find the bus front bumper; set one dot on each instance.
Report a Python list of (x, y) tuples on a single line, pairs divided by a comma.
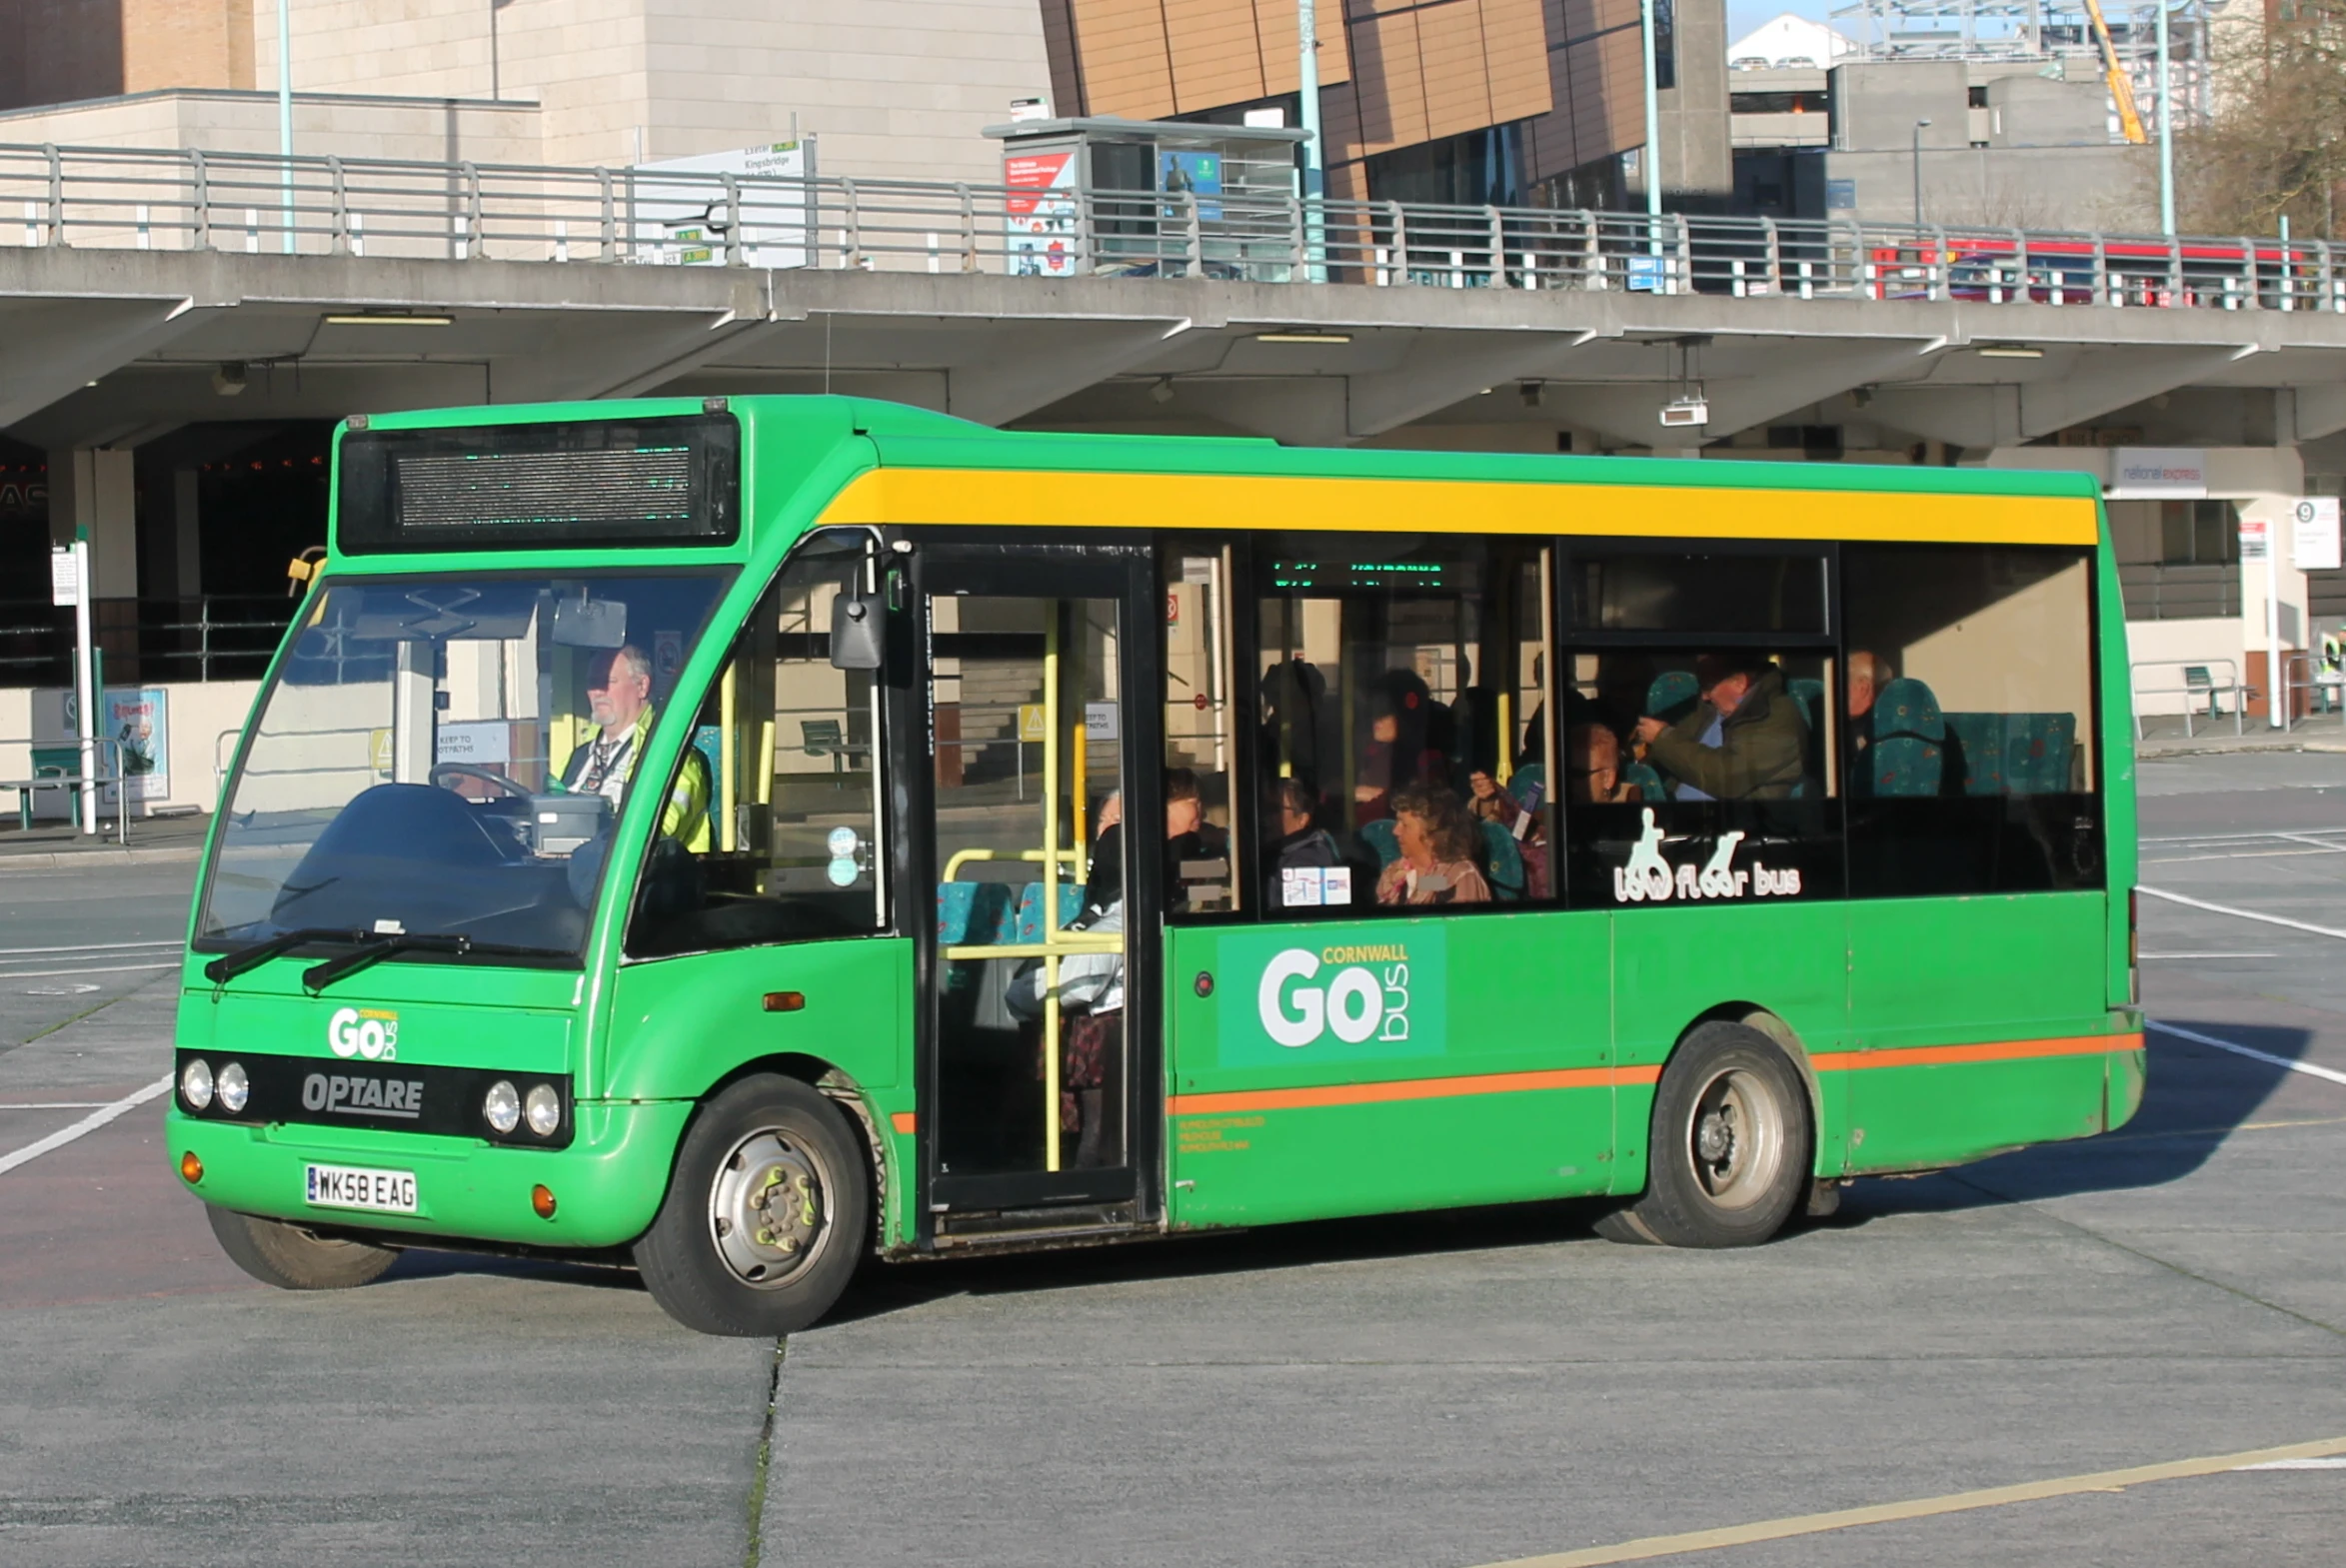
[(606, 1186)]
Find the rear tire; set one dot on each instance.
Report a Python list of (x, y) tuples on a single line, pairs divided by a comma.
[(278, 1253), (1729, 1147), (766, 1215)]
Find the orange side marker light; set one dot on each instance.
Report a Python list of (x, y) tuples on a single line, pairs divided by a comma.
[(191, 1169), (542, 1199)]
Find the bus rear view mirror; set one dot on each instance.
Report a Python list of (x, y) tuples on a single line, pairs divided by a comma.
[(855, 633), (589, 623)]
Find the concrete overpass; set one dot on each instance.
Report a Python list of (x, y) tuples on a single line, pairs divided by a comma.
[(149, 296)]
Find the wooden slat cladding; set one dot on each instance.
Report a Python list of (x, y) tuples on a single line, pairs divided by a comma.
[(1426, 69), (1216, 53), (1596, 73), (1144, 59), (1125, 58), (1275, 22)]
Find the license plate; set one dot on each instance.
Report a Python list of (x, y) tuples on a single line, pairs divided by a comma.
[(348, 1187)]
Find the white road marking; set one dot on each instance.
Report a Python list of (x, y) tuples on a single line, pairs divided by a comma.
[(2244, 914), (2298, 1464), (2197, 1038), (111, 968), (89, 1123), (101, 948), (51, 1104), (2147, 956)]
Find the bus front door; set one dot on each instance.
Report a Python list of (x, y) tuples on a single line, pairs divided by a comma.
[(1041, 1091)]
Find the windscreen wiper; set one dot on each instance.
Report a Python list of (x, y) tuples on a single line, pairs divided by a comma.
[(229, 966), (372, 952)]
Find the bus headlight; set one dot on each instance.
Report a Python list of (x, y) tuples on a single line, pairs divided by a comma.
[(544, 1111), (501, 1108), (195, 1084), (234, 1088)]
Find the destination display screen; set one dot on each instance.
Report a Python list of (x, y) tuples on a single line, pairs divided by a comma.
[(670, 480)]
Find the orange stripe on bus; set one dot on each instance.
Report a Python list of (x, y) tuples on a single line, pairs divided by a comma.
[(906, 1122), (1991, 1051), (1605, 1077), (1409, 1089)]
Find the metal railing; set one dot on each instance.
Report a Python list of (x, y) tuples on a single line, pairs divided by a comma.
[(2197, 679), (215, 638), (187, 200)]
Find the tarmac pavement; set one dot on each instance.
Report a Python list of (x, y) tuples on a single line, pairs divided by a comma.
[(1449, 1390)]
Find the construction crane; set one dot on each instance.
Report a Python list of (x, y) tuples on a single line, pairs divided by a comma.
[(2122, 86)]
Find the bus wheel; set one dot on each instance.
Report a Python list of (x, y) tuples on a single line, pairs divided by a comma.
[(278, 1254), (1731, 1144), (766, 1215)]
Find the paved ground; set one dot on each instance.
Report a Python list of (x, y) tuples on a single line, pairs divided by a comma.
[(1448, 1391)]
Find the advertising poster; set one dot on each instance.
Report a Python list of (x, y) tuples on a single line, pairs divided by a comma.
[(681, 222), (1199, 173), (1042, 214), (138, 719)]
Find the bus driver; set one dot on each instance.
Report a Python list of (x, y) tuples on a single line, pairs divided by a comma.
[(619, 699)]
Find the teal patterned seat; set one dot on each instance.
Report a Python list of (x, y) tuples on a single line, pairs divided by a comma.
[(1909, 751), (1648, 783), (1503, 861), (1980, 751), (1378, 836), (1027, 927), (1810, 694), (2038, 749), (1672, 696), (956, 903), (2014, 754)]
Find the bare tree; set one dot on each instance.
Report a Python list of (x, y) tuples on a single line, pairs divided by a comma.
[(2277, 143)]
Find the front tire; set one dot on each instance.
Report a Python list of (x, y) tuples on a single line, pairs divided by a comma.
[(766, 1216), (1730, 1144), (277, 1252)]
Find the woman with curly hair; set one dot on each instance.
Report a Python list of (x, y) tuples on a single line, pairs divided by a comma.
[(1436, 838)]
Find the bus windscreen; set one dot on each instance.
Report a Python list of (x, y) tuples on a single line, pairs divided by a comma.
[(665, 481)]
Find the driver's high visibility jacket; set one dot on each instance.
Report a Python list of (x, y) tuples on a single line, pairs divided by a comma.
[(686, 816)]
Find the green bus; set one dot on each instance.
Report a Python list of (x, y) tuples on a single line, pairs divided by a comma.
[(731, 837)]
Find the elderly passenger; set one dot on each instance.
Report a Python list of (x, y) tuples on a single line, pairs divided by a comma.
[(1436, 863)]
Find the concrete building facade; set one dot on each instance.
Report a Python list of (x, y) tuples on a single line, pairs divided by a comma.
[(1505, 102), (2008, 144)]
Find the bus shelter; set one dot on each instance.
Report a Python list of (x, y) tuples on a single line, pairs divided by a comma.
[(1151, 197)]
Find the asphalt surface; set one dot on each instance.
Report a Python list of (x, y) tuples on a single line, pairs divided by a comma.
[(1445, 1391)]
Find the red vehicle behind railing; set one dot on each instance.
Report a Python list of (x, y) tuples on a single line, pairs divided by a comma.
[(2083, 270)]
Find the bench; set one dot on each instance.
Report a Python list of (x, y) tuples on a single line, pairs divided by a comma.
[(2207, 681)]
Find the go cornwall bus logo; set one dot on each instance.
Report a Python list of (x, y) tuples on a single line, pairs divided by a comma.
[(1374, 993), (371, 1033)]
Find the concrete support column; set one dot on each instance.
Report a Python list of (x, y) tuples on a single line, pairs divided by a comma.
[(187, 554), (95, 489)]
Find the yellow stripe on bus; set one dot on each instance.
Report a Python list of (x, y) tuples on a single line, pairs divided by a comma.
[(1055, 499)]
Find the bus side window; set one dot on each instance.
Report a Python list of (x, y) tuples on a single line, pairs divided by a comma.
[(1698, 746), (787, 742), (1970, 744), (1203, 855), (1402, 753)]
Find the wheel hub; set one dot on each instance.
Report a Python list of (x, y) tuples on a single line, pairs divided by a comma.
[(1715, 1140), (768, 1209), (1736, 1137)]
